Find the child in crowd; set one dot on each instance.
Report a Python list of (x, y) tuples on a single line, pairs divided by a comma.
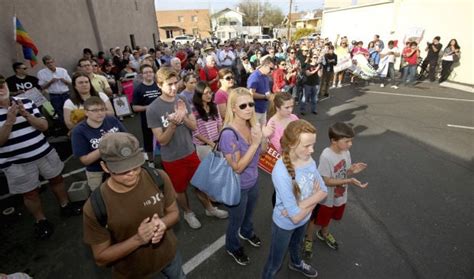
[(172, 122), (87, 135), (299, 189), (335, 167)]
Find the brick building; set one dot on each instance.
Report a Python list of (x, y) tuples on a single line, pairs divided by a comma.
[(173, 23)]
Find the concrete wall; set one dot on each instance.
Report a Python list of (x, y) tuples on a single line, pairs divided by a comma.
[(63, 28), (392, 19)]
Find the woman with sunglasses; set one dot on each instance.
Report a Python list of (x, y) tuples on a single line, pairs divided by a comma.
[(310, 84), (226, 80), (241, 148), (208, 120)]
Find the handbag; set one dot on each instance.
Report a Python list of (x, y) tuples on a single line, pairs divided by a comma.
[(216, 178)]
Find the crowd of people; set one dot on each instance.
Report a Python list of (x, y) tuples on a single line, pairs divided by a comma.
[(185, 95)]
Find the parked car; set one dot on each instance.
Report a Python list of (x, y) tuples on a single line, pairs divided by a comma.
[(263, 39), (183, 39)]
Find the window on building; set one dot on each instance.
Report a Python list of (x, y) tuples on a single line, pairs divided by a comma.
[(194, 18), (181, 18), (169, 34), (233, 23), (195, 32)]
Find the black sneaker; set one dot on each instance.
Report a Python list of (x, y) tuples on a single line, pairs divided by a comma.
[(254, 240), (71, 209), (43, 229), (305, 269), (239, 256)]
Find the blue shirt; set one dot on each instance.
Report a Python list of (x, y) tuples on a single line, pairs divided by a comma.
[(306, 176), (86, 139), (261, 84)]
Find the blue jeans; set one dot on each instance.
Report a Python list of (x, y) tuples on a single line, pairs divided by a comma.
[(57, 101), (240, 217), (281, 241), (174, 269), (310, 96), (409, 74)]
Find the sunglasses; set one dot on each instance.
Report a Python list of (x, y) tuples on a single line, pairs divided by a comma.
[(292, 52), (283, 64), (229, 78), (244, 106)]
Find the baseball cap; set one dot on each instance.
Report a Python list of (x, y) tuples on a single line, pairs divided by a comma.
[(121, 152)]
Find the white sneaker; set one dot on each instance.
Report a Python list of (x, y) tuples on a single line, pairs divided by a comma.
[(394, 87), (382, 85), (339, 85), (333, 86), (192, 221), (216, 212)]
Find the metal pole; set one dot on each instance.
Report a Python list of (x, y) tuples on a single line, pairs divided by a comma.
[(289, 23)]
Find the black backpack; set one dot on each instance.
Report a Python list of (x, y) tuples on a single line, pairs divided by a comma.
[(97, 202)]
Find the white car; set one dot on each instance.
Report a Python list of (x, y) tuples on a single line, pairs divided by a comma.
[(260, 38), (184, 39)]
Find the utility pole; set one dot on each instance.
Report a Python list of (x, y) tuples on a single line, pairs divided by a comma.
[(289, 23), (258, 16)]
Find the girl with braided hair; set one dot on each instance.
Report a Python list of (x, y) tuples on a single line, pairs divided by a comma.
[(299, 188)]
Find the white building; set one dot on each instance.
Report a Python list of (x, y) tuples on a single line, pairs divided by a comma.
[(227, 24), (393, 19)]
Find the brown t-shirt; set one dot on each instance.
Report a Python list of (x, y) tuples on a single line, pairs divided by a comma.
[(125, 213)]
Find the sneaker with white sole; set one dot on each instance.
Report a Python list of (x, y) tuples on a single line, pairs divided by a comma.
[(304, 268), (339, 85), (394, 87), (239, 256), (192, 221), (382, 85), (216, 212), (253, 240)]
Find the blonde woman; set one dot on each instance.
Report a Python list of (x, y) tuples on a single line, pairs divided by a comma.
[(241, 148)]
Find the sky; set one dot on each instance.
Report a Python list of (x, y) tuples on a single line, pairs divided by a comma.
[(217, 5)]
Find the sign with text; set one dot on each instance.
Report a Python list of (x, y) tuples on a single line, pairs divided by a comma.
[(268, 159)]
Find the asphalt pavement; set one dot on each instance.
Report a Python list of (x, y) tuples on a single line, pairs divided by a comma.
[(415, 219)]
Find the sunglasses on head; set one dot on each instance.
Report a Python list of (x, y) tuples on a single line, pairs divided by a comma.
[(244, 106), (229, 78)]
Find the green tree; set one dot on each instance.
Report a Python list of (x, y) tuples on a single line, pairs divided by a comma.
[(302, 32), (269, 14)]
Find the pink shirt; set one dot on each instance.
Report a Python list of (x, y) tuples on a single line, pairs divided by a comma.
[(220, 97), (278, 133)]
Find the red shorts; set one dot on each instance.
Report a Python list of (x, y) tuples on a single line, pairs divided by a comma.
[(181, 171), (326, 213)]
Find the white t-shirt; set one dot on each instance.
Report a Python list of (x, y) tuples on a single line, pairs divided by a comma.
[(335, 165), (391, 57), (70, 105)]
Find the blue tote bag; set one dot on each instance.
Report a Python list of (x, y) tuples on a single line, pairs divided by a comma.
[(216, 178)]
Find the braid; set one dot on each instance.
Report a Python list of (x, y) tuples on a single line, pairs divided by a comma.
[(289, 166)]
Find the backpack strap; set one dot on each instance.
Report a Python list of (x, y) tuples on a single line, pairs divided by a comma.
[(159, 183), (98, 204)]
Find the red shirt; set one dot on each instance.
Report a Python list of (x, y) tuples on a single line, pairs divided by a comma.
[(211, 74), (411, 60), (278, 80)]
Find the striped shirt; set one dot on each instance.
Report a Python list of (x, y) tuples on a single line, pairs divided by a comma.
[(25, 143), (208, 129)]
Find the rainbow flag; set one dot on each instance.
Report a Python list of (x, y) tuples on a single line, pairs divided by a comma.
[(23, 38)]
